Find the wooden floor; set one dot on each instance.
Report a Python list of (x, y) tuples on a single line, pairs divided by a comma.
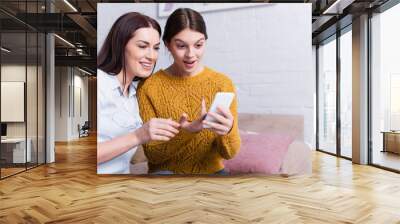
[(69, 191), (10, 171), (5, 172)]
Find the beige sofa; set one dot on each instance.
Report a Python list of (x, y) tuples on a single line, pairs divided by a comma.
[(297, 161)]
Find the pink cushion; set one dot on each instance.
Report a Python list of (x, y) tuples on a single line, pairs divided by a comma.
[(260, 153)]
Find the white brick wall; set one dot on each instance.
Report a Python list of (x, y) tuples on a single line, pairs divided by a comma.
[(266, 50)]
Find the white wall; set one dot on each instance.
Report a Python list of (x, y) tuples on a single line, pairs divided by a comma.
[(314, 119), (61, 103), (33, 127), (67, 80), (80, 83), (266, 50), (16, 72)]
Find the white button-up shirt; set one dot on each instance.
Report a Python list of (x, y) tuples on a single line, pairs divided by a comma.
[(116, 115)]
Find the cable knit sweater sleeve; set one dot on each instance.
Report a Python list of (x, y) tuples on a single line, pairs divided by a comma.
[(147, 112)]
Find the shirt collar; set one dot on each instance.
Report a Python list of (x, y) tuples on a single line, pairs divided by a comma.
[(116, 86), (114, 83), (132, 88)]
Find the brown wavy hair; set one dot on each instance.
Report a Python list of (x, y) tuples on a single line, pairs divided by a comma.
[(181, 19), (111, 58)]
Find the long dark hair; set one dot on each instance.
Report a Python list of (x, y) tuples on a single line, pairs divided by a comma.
[(181, 19), (111, 58)]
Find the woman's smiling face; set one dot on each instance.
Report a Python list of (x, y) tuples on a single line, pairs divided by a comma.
[(187, 49), (141, 52)]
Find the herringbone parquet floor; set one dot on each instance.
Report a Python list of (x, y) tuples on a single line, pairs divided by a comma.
[(69, 191)]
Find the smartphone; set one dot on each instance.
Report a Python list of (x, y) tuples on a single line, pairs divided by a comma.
[(221, 99)]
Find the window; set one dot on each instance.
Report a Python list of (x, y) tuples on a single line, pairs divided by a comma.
[(385, 88), (327, 96), (346, 75)]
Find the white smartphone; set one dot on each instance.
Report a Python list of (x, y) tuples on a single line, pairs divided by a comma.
[(221, 99)]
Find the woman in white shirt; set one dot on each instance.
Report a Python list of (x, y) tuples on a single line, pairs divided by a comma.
[(128, 55)]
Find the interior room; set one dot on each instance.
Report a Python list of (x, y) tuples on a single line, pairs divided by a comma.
[(337, 97), (22, 102)]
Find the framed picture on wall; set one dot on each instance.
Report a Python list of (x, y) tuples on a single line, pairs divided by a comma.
[(12, 101)]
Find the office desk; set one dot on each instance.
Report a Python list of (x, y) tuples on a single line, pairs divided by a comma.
[(391, 141), (13, 150)]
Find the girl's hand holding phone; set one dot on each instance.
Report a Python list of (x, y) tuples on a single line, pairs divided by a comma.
[(222, 121), (219, 119)]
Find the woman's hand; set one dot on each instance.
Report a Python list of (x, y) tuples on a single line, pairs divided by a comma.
[(223, 121), (157, 129), (196, 125)]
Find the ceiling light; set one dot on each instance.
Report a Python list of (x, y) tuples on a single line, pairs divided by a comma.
[(70, 5), (65, 41), (5, 50), (86, 72), (337, 7)]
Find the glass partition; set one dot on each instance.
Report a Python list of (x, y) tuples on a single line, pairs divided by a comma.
[(13, 103), (22, 88)]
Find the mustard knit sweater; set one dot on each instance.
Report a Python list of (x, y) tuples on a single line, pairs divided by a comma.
[(165, 96)]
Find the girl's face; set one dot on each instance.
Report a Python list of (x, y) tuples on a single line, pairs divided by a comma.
[(141, 52), (187, 49)]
